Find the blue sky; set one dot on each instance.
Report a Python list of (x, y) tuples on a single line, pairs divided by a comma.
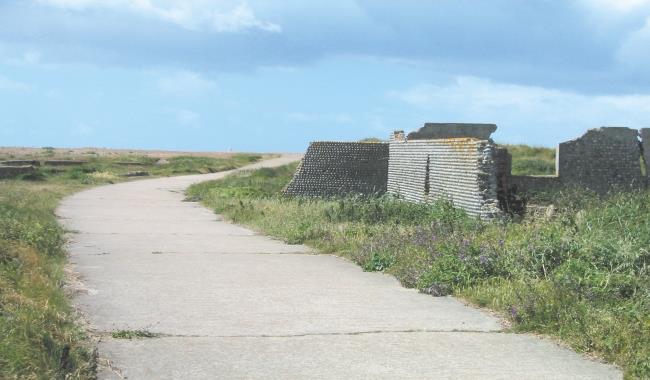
[(266, 75)]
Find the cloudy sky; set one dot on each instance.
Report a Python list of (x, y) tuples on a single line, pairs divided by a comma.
[(270, 75)]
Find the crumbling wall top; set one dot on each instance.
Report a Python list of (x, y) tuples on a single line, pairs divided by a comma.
[(433, 131), (610, 133)]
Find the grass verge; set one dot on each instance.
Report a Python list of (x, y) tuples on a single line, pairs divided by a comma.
[(579, 274), (39, 334)]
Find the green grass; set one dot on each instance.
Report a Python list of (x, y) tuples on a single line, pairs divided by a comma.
[(39, 333), (579, 274), (527, 160), (133, 334)]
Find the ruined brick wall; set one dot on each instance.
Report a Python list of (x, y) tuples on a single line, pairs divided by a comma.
[(601, 160), (462, 170), (341, 168)]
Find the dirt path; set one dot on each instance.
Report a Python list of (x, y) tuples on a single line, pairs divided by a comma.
[(230, 304)]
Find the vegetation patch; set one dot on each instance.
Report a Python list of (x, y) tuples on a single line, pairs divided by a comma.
[(579, 273), (133, 334), (39, 334), (529, 160)]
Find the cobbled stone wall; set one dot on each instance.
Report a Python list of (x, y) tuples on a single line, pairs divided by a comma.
[(462, 170), (341, 168), (601, 160)]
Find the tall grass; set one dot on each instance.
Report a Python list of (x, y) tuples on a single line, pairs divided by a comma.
[(579, 274), (39, 336)]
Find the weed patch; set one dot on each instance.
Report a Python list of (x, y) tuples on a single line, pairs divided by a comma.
[(133, 334)]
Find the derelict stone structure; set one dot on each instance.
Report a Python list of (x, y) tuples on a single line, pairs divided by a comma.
[(14, 171), (435, 163), (602, 160), (21, 163), (460, 162), (338, 168)]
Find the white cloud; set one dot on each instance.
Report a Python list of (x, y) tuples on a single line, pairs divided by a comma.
[(29, 57), (241, 18), (519, 108), (185, 84), (635, 50), (217, 16), (622, 6), (13, 85)]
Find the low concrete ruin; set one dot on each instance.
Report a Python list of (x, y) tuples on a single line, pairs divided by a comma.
[(461, 163), (602, 160), (65, 163), (21, 163), (7, 172)]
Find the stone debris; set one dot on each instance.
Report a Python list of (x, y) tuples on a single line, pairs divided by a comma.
[(138, 173), (162, 161)]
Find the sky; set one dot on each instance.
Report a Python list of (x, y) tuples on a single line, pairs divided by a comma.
[(271, 76)]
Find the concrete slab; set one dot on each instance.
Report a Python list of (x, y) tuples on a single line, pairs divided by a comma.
[(231, 303), (362, 356)]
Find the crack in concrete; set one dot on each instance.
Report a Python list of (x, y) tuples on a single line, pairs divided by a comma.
[(350, 333)]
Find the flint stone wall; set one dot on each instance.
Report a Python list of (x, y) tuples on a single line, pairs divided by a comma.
[(14, 171), (601, 160), (462, 170), (332, 168)]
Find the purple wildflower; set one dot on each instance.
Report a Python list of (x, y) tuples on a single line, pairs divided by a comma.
[(514, 313)]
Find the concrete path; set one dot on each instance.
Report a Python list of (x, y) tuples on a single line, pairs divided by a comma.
[(231, 304)]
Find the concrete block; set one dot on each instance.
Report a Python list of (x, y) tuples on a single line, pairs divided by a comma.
[(432, 131)]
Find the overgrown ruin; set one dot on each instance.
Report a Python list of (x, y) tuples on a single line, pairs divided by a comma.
[(461, 163)]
